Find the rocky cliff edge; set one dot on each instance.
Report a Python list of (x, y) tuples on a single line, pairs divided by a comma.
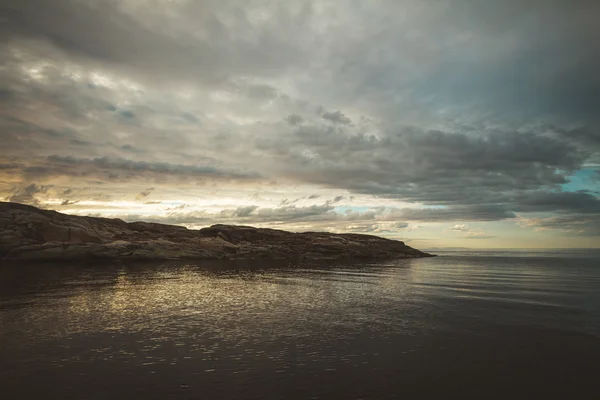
[(29, 233)]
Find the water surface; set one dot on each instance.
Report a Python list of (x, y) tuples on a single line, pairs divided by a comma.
[(471, 324)]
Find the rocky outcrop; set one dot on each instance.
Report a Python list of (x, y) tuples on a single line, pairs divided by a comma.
[(28, 233)]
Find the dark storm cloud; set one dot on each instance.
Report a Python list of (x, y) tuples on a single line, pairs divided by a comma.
[(112, 32), (293, 213), (244, 211), (587, 136), (574, 212), (455, 213), (536, 58), (27, 195), (6, 167), (428, 166), (59, 112), (585, 225), (336, 199), (526, 58), (118, 169), (294, 119), (337, 117), (581, 202), (129, 148), (483, 107)]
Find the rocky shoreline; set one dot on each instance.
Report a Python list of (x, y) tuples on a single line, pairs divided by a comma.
[(29, 233)]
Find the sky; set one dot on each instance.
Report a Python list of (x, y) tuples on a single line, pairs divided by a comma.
[(443, 123)]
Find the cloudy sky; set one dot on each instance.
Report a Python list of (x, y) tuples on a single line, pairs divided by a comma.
[(445, 123)]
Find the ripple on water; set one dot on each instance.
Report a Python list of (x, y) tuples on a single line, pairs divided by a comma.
[(237, 331)]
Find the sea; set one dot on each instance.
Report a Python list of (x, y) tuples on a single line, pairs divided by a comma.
[(465, 324)]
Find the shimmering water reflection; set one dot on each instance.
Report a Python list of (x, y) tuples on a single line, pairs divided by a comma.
[(464, 323)]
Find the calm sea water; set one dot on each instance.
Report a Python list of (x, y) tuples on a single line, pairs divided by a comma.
[(470, 324)]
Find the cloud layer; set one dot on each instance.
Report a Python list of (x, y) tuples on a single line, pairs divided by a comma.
[(412, 114)]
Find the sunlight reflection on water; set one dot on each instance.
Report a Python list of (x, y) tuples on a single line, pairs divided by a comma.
[(263, 321)]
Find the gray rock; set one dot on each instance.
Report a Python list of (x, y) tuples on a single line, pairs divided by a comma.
[(28, 233)]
